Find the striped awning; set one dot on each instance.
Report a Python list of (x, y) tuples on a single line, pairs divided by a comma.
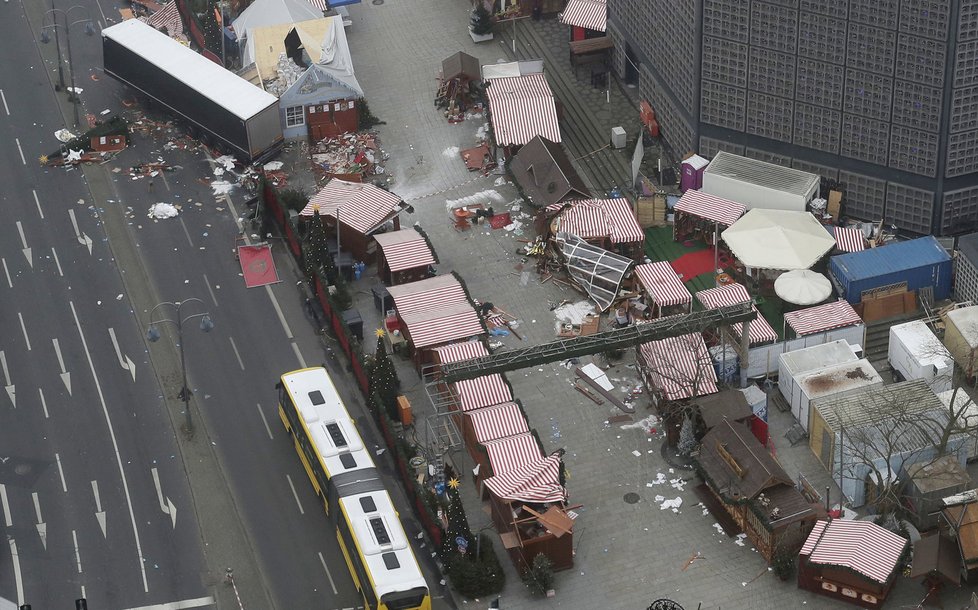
[(362, 207), (850, 239), (710, 207), (435, 311), (534, 482), (522, 107), (169, 18), (405, 249), (589, 14), (498, 421), (481, 391), (599, 218), (662, 283), (822, 318), (678, 366), (861, 546), (732, 294), (511, 453)]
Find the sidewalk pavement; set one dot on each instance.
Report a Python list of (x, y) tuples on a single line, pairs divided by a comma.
[(627, 554)]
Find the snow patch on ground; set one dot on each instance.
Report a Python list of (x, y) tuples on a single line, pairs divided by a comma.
[(160, 211), (450, 152), (647, 425), (221, 187), (272, 166), (491, 194)]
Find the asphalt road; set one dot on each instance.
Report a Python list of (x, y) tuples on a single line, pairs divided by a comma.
[(89, 458)]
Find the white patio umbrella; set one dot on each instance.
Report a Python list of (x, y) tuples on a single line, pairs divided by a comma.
[(803, 287)]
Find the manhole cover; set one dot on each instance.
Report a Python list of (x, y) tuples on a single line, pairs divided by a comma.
[(631, 497)]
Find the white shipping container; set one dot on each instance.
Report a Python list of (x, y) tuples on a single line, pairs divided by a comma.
[(917, 353), (758, 184), (833, 380), (794, 363)]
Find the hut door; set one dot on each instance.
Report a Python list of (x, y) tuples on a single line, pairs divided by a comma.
[(332, 119)]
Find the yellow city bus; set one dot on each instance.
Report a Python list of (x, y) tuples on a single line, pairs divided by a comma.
[(374, 544)]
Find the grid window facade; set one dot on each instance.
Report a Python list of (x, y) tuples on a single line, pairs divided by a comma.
[(772, 72), (724, 61), (819, 83), (960, 212), (709, 147), (917, 106), (870, 95), (968, 20), (921, 60), (823, 171), (675, 125), (965, 278), (964, 109), (726, 19), (864, 197), (962, 154), (966, 64), (822, 38), (926, 18), (909, 208), (871, 48), (723, 105), (767, 157), (817, 127), (865, 139), (773, 27), (833, 8), (913, 150), (769, 116), (875, 13)]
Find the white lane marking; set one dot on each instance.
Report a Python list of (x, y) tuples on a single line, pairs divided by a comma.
[(57, 262), (237, 220), (322, 560), (8, 385), (21, 151), (24, 248), (65, 375), (180, 605), (126, 363), (236, 353), (82, 238), (17, 577), (4, 98), (74, 538), (41, 526), (294, 495), (83, 594), (20, 316), (207, 282), (186, 232), (6, 505), (265, 421), (99, 513), (166, 505), (298, 354), (44, 404), (37, 202), (115, 447), (10, 284), (61, 473), (278, 312)]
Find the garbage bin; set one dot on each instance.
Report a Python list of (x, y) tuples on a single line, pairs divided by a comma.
[(353, 321), (383, 301)]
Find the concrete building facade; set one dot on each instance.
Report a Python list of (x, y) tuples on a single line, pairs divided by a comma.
[(881, 95)]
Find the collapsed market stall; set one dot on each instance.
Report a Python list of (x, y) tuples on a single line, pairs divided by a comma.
[(596, 270)]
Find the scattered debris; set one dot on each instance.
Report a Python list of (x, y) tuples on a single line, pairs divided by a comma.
[(160, 211)]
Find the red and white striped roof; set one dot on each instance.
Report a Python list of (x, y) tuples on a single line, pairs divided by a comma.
[(678, 366), (599, 218), (498, 421), (167, 17), (481, 391), (320, 4), (663, 284), (511, 453), (435, 311), (850, 239), (822, 318), (861, 546), (589, 14), (534, 482), (710, 207), (522, 107), (732, 294), (360, 206), (405, 249)]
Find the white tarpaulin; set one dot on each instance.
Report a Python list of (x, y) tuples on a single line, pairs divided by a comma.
[(778, 239), (803, 287)]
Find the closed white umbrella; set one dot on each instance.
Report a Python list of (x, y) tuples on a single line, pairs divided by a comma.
[(803, 287)]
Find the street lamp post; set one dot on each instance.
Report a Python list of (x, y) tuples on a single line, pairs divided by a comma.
[(89, 30), (178, 320)]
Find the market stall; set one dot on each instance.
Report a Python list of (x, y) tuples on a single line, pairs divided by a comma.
[(849, 239), (405, 256), (587, 18), (760, 331), (676, 368), (606, 223), (492, 423), (823, 318), (470, 394), (506, 455), (521, 104), (664, 291), (545, 173), (700, 216), (457, 84)]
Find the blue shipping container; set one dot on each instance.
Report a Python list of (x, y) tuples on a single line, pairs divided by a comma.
[(921, 263)]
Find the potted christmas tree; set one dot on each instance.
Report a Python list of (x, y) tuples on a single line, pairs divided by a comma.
[(480, 25)]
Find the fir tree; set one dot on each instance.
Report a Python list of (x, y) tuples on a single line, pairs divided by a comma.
[(458, 536), (316, 254), (481, 20), (383, 377), (687, 437)]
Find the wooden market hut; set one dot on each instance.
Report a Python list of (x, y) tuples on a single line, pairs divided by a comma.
[(663, 289), (700, 216), (728, 405), (528, 507), (937, 563), (504, 455), (959, 519), (433, 312), (469, 395), (852, 561), (744, 480), (607, 223), (405, 256), (544, 172), (759, 330), (360, 210), (521, 104), (586, 18)]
